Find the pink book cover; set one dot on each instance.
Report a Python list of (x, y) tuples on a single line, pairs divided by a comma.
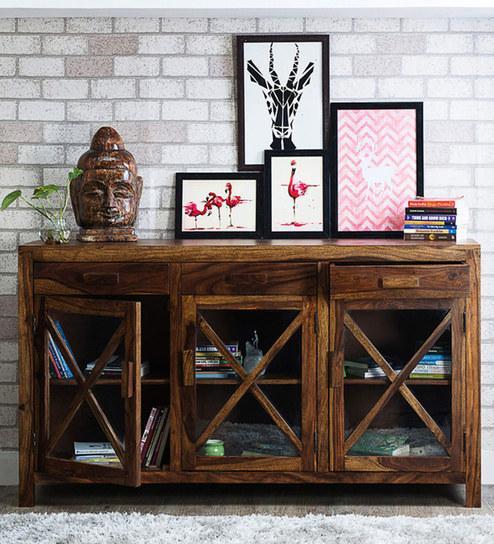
[(377, 168)]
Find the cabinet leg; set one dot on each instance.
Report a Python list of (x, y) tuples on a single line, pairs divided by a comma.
[(473, 492), (26, 494)]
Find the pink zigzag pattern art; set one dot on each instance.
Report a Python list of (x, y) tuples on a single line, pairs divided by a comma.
[(377, 169)]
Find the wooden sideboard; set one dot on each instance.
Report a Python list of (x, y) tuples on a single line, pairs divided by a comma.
[(297, 417)]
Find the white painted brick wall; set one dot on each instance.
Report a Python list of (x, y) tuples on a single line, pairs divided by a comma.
[(167, 85)]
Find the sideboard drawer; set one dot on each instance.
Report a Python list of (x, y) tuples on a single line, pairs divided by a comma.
[(249, 279), (430, 281), (101, 278)]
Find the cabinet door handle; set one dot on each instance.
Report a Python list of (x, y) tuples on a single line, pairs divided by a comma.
[(188, 367), (101, 278), (128, 381), (405, 282)]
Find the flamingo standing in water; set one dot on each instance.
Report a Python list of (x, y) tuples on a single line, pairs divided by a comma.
[(192, 210), (231, 201), (217, 200), (296, 189)]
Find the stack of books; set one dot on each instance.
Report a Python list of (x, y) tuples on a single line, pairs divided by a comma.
[(367, 368), (377, 443), (59, 369), (211, 364), (100, 453), (435, 365), (113, 367), (155, 437), (430, 219)]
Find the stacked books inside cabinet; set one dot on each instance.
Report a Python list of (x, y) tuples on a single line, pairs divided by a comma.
[(429, 219), (59, 369), (113, 367), (99, 453), (434, 365), (211, 364), (155, 437)]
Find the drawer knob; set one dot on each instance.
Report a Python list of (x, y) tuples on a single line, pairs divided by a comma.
[(391, 282)]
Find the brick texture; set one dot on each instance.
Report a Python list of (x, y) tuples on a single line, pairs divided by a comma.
[(168, 85)]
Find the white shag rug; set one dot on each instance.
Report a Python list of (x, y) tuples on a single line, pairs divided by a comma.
[(133, 528)]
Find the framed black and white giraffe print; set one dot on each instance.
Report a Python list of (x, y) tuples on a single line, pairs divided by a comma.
[(283, 95)]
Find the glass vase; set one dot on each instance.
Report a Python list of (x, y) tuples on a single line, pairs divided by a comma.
[(55, 232)]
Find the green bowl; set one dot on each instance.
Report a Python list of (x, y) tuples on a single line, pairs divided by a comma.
[(214, 448)]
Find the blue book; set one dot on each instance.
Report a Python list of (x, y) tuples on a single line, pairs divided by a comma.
[(57, 357), (66, 367)]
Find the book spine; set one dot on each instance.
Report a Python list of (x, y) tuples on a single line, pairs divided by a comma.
[(62, 334), (57, 357), (429, 229), (430, 376), (152, 420), (54, 370), (156, 454), (145, 434), (155, 437), (437, 223), (423, 237), (427, 203), (431, 210), (212, 349), (443, 219)]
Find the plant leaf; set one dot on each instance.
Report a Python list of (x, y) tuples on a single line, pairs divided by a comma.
[(44, 191), (75, 173), (10, 199)]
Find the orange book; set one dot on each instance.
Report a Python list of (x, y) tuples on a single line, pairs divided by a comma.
[(431, 203)]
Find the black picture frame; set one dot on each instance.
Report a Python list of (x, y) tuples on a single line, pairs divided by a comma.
[(419, 122), (326, 209), (241, 40), (180, 177)]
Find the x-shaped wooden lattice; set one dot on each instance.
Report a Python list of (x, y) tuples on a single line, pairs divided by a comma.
[(249, 380), (397, 382), (84, 392)]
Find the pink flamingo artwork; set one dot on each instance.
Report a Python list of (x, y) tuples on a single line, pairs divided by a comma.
[(296, 190), (217, 200), (192, 210), (231, 201)]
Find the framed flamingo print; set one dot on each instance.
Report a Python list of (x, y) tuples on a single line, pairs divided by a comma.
[(377, 166), (283, 94), (296, 194), (224, 205)]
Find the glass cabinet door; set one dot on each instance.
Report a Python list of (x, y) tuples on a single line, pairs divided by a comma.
[(397, 367), (248, 383), (90, 359)]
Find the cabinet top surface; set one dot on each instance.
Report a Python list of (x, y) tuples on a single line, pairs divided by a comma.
[(248, 250)]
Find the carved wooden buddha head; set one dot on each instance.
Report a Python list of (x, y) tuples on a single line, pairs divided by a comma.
[(106, 196)]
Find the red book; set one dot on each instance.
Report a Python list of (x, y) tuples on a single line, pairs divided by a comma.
[(54, 365), (431, 203), (148, 432)]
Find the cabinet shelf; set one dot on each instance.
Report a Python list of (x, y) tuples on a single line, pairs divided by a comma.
[(148, 380), (263, 380), (385, 381)]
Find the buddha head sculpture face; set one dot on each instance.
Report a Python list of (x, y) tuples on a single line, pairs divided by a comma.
[(106, 196)]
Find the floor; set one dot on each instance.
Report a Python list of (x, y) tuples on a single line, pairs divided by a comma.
[(382, 500)]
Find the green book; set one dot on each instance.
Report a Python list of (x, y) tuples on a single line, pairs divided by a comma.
[(378, 443), (419, 376), (354, 369)]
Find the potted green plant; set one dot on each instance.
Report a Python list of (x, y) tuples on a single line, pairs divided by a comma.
[(51, 202)]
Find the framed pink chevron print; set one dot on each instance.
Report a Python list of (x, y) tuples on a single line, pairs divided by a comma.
[(377, 166)]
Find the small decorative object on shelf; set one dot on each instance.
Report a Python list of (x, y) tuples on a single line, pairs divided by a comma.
[(51, 202), (214, 448), (253, 354), (431, 220), (106, 196)]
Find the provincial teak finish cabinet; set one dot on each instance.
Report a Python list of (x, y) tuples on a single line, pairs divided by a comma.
[(296, 417)]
